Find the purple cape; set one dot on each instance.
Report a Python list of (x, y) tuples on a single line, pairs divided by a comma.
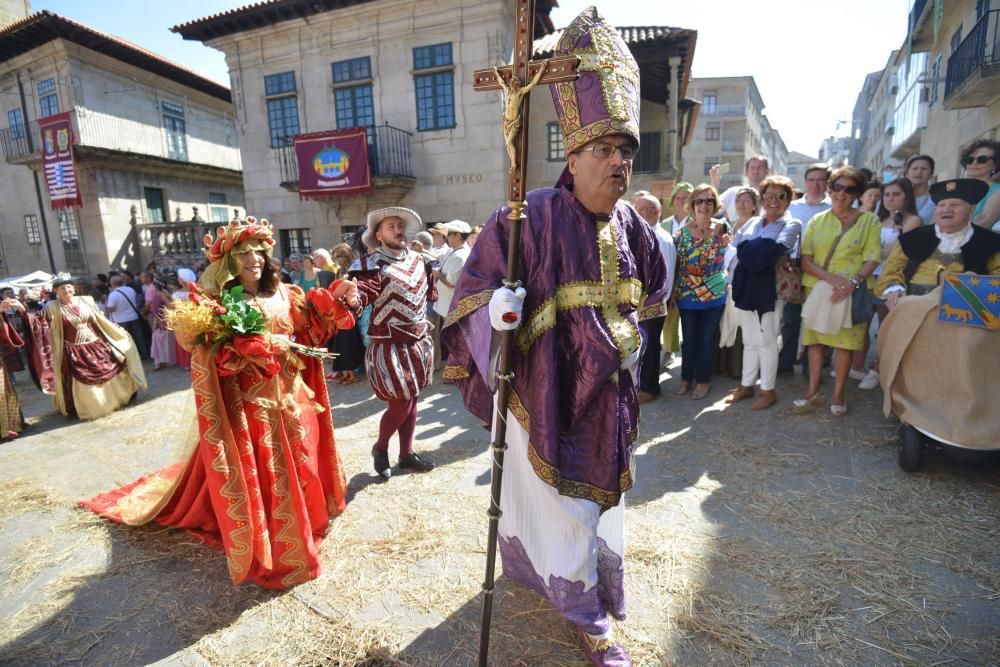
[(589, 281)]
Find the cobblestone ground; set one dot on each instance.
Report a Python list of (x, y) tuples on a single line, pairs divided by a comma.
[(754, 538)]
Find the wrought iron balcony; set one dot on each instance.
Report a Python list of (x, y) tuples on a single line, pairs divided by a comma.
[(14, 140), (973, 78), (388, 155)]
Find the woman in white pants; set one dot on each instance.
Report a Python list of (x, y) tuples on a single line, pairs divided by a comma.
[(759, 244)]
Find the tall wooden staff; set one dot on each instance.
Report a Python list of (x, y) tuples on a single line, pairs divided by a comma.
[(516, 80)]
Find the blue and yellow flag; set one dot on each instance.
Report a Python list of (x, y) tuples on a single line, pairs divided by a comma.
[(971, 299)]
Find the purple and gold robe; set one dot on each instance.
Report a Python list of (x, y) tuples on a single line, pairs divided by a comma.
[(589, 281)]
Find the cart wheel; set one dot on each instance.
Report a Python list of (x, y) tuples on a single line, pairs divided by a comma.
[(911, 444)]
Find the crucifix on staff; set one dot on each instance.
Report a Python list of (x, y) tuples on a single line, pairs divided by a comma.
[(560, 277)]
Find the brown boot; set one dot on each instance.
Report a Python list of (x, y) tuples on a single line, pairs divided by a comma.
[(765, 399), (739, 394)]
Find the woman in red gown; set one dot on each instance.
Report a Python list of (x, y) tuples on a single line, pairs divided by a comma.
[(264, 477)]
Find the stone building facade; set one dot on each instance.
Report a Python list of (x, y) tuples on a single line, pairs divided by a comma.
[(943, 85), (731, 129), (407, 75), (153, 141)]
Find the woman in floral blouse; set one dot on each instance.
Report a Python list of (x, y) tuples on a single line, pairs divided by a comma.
[(700, 288)]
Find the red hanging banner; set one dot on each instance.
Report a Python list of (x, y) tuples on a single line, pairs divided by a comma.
[(333, 164), (57, 160)]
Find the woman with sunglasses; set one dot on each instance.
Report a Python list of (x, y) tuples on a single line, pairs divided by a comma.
[(760, 244), (980, 162), (840, 247), (700, 288)]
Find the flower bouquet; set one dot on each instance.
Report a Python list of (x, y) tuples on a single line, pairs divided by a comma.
[(235, 333)]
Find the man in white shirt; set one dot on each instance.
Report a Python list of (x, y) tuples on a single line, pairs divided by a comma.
[(124, 311), (650, 209), (452, 263), (815, 201), (756, 170)]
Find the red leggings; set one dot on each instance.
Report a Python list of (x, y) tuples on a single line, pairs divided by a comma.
[(401, 416)]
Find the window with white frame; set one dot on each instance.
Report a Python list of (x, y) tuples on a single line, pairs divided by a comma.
[(218, 210), (557, 149), (434, 81), (48, 99), (176, 129), (15, 121), (31, 229), (282, 103)]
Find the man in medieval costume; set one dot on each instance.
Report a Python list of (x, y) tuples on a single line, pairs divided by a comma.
[(938, 375), (591, 270), (399, 360)]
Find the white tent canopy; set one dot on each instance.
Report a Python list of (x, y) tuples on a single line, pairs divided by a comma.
[(28, 281)]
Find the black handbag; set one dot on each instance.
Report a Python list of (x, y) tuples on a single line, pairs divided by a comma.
[(862, 309)]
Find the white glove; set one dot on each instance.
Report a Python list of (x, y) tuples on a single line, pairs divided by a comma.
[(631, 359), (505, 302)]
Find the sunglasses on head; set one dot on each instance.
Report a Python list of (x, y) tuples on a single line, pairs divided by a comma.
[(979, 159), (849, 189)]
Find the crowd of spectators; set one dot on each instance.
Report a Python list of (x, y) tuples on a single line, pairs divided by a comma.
[(765, 240)]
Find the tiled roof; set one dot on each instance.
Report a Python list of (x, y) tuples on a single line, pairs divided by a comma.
[(633, 36), (651, 46), (44, 26), (270, 12)]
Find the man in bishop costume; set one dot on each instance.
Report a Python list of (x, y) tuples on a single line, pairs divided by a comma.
[(591, 270)]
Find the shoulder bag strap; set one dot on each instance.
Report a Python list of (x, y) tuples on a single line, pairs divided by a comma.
[(129, 301), (836, 241)]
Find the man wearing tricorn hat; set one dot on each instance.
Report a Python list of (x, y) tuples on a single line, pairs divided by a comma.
[(951, 244), (399, 360), (591, 270), (937, 375)]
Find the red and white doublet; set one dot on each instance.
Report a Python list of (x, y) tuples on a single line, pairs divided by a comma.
[(400, 357)]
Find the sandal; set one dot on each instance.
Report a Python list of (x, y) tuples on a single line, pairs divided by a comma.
[(700, 391), (682, 388), (838, 410), (809, 403)]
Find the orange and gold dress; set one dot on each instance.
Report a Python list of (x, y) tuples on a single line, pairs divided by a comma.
[(264, 476)]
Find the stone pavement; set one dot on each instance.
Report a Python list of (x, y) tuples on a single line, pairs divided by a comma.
[(754, 538)]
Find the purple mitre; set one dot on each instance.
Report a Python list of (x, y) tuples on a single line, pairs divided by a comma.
[(579, 409), (604, 100)]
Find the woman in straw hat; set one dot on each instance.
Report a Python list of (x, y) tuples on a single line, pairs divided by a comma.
[(263, 476)]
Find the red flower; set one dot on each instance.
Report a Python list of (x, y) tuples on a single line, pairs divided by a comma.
[(247, 354)]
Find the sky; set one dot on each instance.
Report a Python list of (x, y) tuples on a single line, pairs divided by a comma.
[(808, 58)]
